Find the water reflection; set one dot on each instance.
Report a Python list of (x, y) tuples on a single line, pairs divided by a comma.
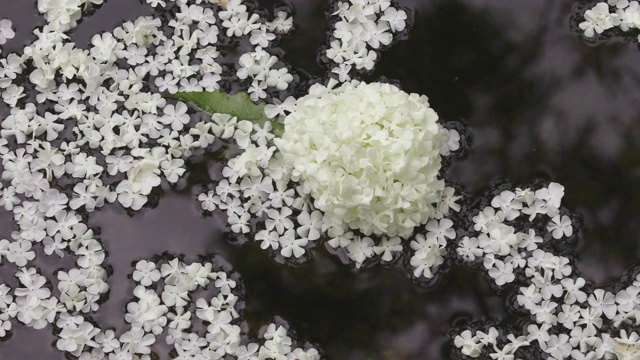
[(538, 100)]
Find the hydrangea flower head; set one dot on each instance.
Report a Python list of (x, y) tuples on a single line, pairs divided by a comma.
[(368, 154)]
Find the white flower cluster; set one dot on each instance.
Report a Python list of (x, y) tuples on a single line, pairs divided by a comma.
[(257, 183), (64, 15), (59, 230), (291, 221), (149, 316), (570, 321), (152, 314), (606, 15), (364, 27), (258, 65), (368, 154)]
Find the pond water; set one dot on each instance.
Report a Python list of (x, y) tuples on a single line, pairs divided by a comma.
[(539, 102)]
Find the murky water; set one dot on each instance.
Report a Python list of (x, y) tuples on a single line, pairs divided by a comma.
[(539, 101)]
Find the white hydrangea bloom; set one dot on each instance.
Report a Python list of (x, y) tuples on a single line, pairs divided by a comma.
[(368, 154)]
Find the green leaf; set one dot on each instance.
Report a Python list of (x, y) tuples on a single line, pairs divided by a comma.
[(239, 105)]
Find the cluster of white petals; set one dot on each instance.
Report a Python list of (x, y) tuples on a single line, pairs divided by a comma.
[(613, 13), (151, 315), (364, 27), (170, 311), (259, 198), (264, 197), (568, 320), (63, 15), (368, 154)]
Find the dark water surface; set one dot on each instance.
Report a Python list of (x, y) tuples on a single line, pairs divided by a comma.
[(539, 101)]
